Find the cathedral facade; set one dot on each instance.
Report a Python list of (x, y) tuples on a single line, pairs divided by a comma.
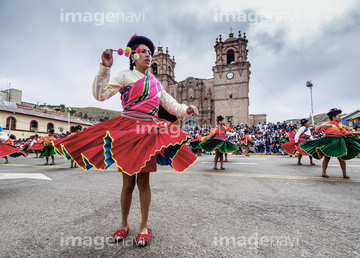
[(226, 94)]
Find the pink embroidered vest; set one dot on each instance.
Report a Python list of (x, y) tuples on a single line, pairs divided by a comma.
[(139, 100)]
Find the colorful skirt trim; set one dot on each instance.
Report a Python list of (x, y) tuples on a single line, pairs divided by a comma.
[(130, 144), (222, 146), (344, 148), (290, 148), (48, 151), (284, 140), (8, 150)]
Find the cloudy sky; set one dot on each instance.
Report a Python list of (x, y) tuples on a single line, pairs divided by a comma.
[(54, 59)]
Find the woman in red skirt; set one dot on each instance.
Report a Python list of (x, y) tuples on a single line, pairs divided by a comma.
[(136, 140), (302, 135), (36, 145), (6, 147)]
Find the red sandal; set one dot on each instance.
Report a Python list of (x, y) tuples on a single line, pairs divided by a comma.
[(120, 234), (143, 237)]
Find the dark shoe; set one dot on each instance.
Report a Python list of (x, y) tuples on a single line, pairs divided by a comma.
[(325, 175), (346, 177), (215, 168), (46, 164), (222, 168), (52, 163)]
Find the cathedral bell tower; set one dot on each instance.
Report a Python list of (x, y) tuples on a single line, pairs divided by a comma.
[(231, 79), (163, 67)]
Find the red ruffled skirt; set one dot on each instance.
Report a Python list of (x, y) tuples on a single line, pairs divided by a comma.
[(37, 146), (6, 150), (290, 148), (128, 143)]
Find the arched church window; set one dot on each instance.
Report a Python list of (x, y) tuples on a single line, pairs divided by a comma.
[(230, 56), (154, 68), (33, 125), (11, 122)]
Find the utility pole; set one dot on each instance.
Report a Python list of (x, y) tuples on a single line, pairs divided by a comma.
[(310, 85)]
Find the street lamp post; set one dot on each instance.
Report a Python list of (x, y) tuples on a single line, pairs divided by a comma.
[(69, 110), (310, 85)]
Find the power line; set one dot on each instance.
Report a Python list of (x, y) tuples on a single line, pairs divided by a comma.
[(275, 94), (337, 93)]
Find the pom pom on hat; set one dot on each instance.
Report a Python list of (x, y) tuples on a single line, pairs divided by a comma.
[(303, 121), (219, 118), (334, 111)]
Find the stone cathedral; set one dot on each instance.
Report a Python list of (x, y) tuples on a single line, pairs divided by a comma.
[(227, 93)]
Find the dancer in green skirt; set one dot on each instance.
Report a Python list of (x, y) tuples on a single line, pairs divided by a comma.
[(219, 142), (337, 143), (49, 150)]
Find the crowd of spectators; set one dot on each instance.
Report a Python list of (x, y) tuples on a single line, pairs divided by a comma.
[(266, 136)]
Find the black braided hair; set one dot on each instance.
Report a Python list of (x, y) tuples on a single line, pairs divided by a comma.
[(133, 49)]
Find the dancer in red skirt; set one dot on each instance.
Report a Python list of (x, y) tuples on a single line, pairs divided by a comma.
[(6, 149), (136, 140), (302, 135), (36, 145)]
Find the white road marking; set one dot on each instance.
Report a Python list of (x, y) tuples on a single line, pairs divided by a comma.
[(239, 157), (23, 175), (347, 165), (231, 163)]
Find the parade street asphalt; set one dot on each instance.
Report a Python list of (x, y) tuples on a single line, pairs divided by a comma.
[(260, 206)]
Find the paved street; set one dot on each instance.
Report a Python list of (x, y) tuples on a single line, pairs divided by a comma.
[(260, 206)]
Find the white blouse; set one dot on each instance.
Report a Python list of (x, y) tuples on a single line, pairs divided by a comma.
[(104, 87)]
